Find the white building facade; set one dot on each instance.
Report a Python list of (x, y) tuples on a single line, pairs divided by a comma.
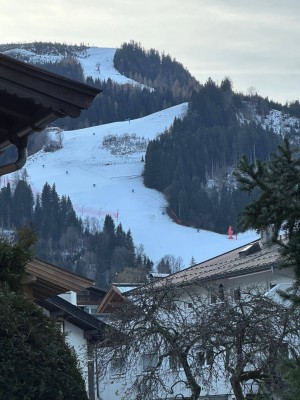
[(228, 275)]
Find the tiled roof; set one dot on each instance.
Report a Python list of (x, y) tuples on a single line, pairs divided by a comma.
[(241, 261)]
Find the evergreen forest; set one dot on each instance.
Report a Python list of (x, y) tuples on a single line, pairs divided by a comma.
[(192, 163), (164, 82), (99, 251)]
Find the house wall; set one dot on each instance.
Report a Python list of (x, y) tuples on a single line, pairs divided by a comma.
[(76, 340), (265, 279), (111, 386)]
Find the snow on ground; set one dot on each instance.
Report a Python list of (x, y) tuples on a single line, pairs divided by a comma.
[(97, 62), (100, 169), (279, 122), (99, 183)]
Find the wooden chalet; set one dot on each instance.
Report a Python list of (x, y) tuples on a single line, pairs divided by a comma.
[(90, 298)]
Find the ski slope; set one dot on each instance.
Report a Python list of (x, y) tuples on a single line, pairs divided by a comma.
[(107, 179), (100, 168)]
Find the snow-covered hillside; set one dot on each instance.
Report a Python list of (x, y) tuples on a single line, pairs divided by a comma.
[(96, 62), (275, 120), (100, 168)]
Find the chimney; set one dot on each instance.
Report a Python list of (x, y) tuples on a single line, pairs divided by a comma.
[(266, 237)]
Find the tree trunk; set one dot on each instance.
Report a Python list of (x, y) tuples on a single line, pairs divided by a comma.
[(192, 384), (237, 389), (196, 390)]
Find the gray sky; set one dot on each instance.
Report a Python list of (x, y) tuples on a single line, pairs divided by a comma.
[(254, 42)]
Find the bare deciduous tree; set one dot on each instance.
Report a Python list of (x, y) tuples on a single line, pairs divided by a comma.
[(251, 336), (168, 339)]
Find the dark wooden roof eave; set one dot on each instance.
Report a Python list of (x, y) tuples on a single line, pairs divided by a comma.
[(31, 98), (27, 80), (50, 280), (73, 314)]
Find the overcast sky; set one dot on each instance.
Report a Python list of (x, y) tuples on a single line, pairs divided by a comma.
[(254, 42)]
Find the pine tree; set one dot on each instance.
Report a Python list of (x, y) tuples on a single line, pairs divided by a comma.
[(278, 204), (55, 214), (22, 204), (277, 208), (5, 206), (37, 213), (46, 220), (120, 236)]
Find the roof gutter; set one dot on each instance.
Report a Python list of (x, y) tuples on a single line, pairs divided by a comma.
[(21, 145)]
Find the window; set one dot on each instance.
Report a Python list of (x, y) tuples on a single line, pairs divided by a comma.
[(213, 298), (217, 295), (149, 361), (272, 284), (205, 357), (188, 305), (209, 357), (201, 358), (221, 292), (117, 366), (60, 325), (174, 363), (237, 294)]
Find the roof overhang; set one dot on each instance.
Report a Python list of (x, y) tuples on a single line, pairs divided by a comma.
[(112, 300), (31, 98), (58, 306), (47, 280)]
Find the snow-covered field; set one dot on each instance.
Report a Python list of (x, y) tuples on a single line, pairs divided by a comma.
[(100, 168)]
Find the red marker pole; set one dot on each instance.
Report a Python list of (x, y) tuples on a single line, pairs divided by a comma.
[(230, 232)]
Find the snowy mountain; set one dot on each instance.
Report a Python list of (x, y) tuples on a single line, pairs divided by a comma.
[(97, 62), (101, 168)]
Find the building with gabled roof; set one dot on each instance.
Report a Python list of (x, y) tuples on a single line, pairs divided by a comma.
[(248, 259), (254, 265), (30, 99), (115, 296), (82, 331), (90, 298), (55, 290)]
